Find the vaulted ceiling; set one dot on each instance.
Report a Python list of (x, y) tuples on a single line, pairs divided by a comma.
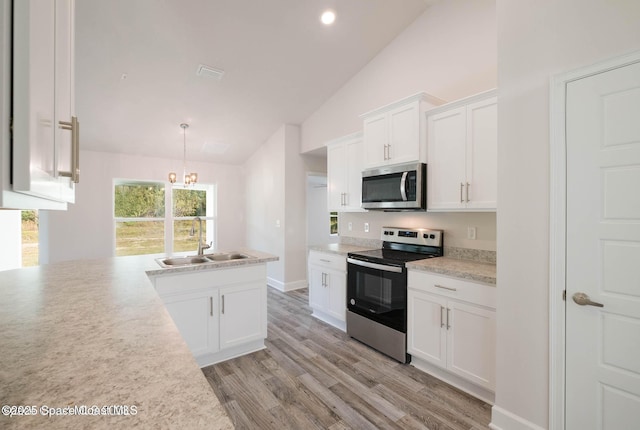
[(136, 63)]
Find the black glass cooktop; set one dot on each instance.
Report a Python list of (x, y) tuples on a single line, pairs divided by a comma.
[(390, 256)]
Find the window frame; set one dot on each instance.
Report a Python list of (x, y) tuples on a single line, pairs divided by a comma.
[(168, 219)]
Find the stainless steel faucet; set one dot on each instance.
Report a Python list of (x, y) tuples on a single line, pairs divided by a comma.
[(201, 245)]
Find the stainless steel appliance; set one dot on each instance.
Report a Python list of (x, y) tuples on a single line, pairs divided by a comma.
[(377, 288), (395, 188)]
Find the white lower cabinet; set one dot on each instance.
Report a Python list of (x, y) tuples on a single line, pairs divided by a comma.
[(328, 288), (451, 331), (220, 314)]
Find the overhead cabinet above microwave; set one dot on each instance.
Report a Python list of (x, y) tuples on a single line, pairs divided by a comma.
[(396, 133), (462, 152), (39, 131)]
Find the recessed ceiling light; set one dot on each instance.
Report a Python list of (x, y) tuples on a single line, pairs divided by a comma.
[(328, 17)]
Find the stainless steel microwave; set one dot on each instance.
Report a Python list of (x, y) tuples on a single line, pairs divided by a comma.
[(401, 187)]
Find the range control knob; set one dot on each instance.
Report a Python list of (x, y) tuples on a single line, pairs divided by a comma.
[(352, 301), (432, 236)]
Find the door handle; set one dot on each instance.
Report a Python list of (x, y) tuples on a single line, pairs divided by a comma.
[(441, 318), (467, 192), (583, 300), (448, 313), (461, 187), (211, 306), (223, 304)]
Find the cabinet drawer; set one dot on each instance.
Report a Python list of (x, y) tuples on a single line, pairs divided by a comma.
[(459, 289), (330, 261)]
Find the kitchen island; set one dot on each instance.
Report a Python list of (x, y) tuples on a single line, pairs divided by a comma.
[(87, 333)]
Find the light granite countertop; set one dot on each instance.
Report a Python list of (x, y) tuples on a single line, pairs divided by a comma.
[(465, 269), (338, 248), (255, 257), (94, 332)]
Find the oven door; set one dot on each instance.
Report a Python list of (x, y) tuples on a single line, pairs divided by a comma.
[(378, 292)]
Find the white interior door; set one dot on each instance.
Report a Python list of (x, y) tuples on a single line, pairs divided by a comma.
[(603, 251)]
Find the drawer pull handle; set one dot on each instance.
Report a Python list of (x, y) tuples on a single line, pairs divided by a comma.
[(325, 261), (445, 288)]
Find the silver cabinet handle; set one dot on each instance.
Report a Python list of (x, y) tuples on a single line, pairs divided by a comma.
[(444, 288), (326, 261), (389, 152), (223, 304), (448, 314), (461, 186), (74, 126), (467, 192), (211, 306), (583, 300), (441, 318), (345, 199)]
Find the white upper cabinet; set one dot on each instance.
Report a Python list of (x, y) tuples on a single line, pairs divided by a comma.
[(462, 155), (395, 133), (344, 173), (45, 131)]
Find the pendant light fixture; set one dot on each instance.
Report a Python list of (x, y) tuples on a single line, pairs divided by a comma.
[(190, 178)]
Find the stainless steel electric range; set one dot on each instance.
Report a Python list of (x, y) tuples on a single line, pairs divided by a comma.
[(377, 288)]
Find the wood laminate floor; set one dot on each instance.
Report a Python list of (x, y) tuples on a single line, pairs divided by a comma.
[(313, 376)]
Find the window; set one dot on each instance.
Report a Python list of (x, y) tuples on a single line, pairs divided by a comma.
[(29, 238), (333, 223), (154, 217)]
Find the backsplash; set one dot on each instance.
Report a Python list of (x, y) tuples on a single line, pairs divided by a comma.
[(361, 241)]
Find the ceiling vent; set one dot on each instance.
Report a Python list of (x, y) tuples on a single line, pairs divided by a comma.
[(208, 71)]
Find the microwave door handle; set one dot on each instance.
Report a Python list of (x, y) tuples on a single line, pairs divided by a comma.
[(403, 186), (382, 267)]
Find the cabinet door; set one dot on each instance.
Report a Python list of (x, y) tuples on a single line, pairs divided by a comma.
[(337, 286), (336, 172), (482, 154), (242, 316), (64, 96), (195, 315), (404, 134), (376, 137), (42, 60), (446, 169), (472, 343), (318, 293), (426, 327), (353, 178)]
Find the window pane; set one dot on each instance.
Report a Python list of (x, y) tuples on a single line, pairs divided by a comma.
[(333, 220), (139, 237), (188, 202), (139, 201), (29, 238), (182, 241)]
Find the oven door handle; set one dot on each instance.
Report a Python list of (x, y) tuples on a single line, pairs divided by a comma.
[(403, 186), (377, 266)]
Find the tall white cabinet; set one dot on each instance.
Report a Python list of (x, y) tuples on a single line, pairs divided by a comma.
[(344, 173), (462, 155), (42, 147)]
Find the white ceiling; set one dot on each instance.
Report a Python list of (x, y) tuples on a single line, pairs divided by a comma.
[(280, 65)]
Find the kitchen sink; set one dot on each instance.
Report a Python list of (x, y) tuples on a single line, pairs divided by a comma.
[(183, 261), (201, 259), (227, 257)]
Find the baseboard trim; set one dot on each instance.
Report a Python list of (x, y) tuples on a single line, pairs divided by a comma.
[(289, 286), (502, 419)]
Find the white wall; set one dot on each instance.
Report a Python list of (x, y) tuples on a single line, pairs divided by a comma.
[(449, 52), (10, 239), (86, 230), (537, 39), (275, 204)]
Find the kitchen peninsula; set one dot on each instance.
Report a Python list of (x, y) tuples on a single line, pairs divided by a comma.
[(95, 333)]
